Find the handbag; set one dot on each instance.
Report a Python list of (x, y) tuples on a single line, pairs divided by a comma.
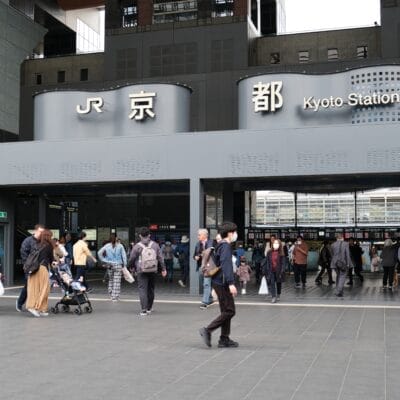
[(1, 289), (127, 275), (263, 287)]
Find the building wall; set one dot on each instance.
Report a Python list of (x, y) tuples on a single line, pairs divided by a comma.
[(318, 43), (18, 36), (390, 19)]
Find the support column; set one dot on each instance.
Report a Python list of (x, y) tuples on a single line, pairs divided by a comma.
[(7, 204), (228, 201), (196, 222)]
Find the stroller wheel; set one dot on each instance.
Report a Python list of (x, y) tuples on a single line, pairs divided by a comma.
[(78, 311), (65, 308), (54, 310), (88, 309)]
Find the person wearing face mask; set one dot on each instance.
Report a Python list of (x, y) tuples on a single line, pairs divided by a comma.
[(223, 284), (300, 253), (274, 268)]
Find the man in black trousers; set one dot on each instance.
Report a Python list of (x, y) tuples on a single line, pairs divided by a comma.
[(223, 284)]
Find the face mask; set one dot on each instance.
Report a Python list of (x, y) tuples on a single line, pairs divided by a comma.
[(299, 242), (275, 246), (234, 237)]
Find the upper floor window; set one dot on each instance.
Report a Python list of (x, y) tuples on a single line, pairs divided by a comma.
[(362, 51), (129, 16), (333, 54), (304, 56)]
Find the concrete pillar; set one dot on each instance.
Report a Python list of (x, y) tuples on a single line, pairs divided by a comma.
[(196, 221), (145, 12)]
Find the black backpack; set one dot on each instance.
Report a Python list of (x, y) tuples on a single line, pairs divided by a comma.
[(32, 263)]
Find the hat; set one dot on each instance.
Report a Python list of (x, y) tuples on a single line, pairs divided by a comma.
[(184, 239)]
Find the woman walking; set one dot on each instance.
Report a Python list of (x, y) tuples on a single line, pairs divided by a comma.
[(274, 269), (38, 283), (114, 256)]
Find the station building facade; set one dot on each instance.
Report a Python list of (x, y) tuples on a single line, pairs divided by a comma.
[(180, 122)]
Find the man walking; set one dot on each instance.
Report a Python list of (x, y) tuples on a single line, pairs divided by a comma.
[(223, 284), (27, 246), (341, 262), (114, 256), (202, 244), (182, 254), (300, 253), (144, 259)]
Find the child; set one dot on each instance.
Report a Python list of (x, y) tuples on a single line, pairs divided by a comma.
[(243, 272)]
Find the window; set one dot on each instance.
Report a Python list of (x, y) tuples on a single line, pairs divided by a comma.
[(304, 56), (362, 51), (275, 58), (333, 54), (222, 8), (38, 79), (61, 76), (129, 16), (84, 74)]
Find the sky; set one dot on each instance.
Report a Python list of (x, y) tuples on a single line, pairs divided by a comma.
[(311, 15)]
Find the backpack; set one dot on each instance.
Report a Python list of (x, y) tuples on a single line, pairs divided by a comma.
[(148, 258), (32, 263), (209, 265)]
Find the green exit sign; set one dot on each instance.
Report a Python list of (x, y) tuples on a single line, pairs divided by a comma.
[(3, 214)]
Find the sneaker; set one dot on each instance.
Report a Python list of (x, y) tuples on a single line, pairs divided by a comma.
[(115, 299), (17, 306), (331, 282), (297, 286), (143, 313), (350, 283), (203, 306), (227, 343), (181, 283), (384, 287), (149, 311), (339, 294), (390, 287), (206, 335), (318, 282), (273, 301), (34, 312), (43, 314), (243, 291), (278, 298)]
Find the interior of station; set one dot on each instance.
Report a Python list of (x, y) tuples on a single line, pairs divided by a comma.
[(366, 208)]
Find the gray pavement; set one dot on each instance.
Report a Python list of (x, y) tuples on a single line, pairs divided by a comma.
[(340, 350)]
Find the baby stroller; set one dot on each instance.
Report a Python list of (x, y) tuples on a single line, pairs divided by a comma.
[(74, 292)]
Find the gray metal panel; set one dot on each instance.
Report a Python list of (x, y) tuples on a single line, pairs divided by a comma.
[(224, 154), (296, 87), (56, 116)]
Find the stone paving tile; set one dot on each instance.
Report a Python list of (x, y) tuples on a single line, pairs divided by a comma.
[(285, 353)]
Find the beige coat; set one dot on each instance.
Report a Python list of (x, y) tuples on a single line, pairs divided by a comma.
[(81, 252)]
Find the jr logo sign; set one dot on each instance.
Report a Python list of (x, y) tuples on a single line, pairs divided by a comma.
[(267, 97)]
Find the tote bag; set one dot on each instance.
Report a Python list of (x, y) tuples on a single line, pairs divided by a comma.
[(127, 275), (263, 287), (1, 289)]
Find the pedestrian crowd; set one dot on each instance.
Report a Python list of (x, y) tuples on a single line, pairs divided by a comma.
[(222, 264)]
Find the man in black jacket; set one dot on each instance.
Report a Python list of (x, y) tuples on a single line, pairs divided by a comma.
[(223, 284), (27, 246)]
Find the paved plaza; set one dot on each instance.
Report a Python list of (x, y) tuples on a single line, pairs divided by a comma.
[(331, 349)]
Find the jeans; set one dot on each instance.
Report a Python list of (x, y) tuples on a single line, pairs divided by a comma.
[(275, 287), (146, 281), (207, 299), (227, 307), (169, 265), (81, 271), (300, 271), (23, 294)]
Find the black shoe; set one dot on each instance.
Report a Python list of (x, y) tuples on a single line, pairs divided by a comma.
[(206, 336), (203, 306), (331, 282), (339, 295), (227, 343), (318, 282), (350, 283)]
